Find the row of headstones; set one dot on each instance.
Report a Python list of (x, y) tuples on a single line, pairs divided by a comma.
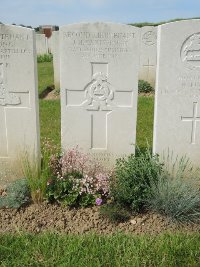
[(148, 49), (99, 65), (43, 44)]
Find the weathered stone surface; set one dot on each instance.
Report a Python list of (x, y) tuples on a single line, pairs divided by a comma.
[(148, 50), (49, 44), (177, 106), (99, 80), (56, 58), (41, 44), (18, 98)]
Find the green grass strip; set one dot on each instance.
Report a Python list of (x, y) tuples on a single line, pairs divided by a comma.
[(50, 120), (145, 121), (92, 250), (45, 75)]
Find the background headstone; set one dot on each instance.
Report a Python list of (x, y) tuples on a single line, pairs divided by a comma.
[(18, 99), (148, 50), (41, 44), (49, 44), (99, 80), (56, 58), (177, 106)]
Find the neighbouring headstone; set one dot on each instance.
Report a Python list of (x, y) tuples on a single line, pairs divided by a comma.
[(99, 79), (41, 44), (148, 50), (18, 99), (177, 105), (49, 44), (56, 58)]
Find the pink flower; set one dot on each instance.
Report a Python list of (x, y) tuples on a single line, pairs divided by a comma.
[(98, 201)]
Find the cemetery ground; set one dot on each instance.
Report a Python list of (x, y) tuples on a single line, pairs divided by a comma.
[(83, 236)]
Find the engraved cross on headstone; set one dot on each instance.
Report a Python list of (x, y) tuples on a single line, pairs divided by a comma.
[(148, 66), (8, 100), (100, 98), (194, 119)]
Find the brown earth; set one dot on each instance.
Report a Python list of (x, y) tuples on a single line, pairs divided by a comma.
[(48, 217), (53, 95)]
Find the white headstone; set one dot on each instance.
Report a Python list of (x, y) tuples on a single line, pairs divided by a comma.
[(177, 107), (99, 79), (41, 44), (49, 44), (56, 58), (18, 98), (148, 50)]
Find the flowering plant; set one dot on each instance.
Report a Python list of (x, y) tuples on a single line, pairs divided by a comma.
[(76, 180)]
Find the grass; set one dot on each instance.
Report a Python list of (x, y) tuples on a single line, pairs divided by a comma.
[(44, 58), (50, 120), (92, 250), (45, 75), (145, 121)]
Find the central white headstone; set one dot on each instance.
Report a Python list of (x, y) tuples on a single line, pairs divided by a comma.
[(19, 130), (99, 74), (177, 108)]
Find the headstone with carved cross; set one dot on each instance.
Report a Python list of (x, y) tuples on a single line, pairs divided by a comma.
[(177, 108), (99, 79), (19, 132), (148, 50)]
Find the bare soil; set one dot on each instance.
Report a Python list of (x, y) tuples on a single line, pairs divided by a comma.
[(54, 218), (52, 95)]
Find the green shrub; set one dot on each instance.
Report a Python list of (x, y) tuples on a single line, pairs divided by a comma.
[(132, 177), (176, 193), (115, 212), (44, 58), (17, 194), (144, 87)]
